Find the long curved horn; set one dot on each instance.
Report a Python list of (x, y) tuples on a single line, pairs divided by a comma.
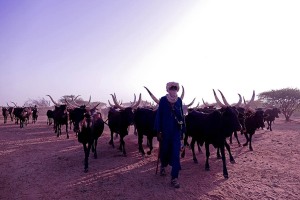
[(251, 100), (188, 105), (96, 106), (76, 97), (238, 104), (134, 101), (110, 104), (152, 96), (116, 102), (182, 94), (68, 103), (8, 105), (137, 103), (14, 104), (224, 99), (205, 104), (89, 102), (52, 100), (217, 100)]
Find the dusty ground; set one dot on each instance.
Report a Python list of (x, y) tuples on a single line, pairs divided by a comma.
[(35, 164)]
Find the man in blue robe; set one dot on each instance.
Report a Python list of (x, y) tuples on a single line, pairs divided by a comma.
[(170, 126)]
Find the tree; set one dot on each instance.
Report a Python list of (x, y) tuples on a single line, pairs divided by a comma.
[(41, 102), (287, 100)]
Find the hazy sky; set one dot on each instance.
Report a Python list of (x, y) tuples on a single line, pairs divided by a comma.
[(118, 46)]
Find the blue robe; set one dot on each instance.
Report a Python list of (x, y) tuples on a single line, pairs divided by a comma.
[(167, 124)]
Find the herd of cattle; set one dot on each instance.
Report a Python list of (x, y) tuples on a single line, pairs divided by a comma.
[(205, 125)]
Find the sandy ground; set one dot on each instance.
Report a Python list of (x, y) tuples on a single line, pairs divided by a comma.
[(35, 164)]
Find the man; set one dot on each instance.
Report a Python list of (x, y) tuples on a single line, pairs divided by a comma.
[(170, 126)]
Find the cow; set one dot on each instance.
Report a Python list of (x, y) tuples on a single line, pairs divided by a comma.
[(144, 123), (21, 115), (10, 111), (5, 114), (92, 127), (50, 115), (212, 128), (270, 115), (76, 114), (253, 121), (34, 114), (120, 120), (60, 117)]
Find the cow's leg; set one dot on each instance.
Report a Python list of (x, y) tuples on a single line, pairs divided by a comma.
[(140, 143), (86, 157), (225, 172), (122, 144), (218, 153), (150, 140), (247, 139), (230, 138), (186, 140), (237, 138), (95, 142), (193, 150), (199, 148), (270, 125), (250, 143), (67, 130), (268, 122), (229, 151), (111, 141), (207, 156)]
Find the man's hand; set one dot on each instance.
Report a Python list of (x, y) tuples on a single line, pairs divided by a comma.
[(159, 136)]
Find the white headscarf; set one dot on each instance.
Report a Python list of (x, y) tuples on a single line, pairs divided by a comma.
[(172, 94)]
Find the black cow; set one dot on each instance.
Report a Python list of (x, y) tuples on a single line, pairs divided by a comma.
[(144, 123), (91, 130), (270, 115), (10, 111), (20, 114), (253, 121), (213, 128), (120, 120), (60, 117), (50, 115), (76, 114), (34, 114), (5, 114)]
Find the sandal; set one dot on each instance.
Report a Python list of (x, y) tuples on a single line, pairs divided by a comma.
[(175, 183)]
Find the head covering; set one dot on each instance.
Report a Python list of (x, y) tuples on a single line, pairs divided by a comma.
[(172, 94), (170, 84)]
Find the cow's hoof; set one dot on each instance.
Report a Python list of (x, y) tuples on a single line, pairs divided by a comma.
[(226, 176), (86, 170), (149, 153)]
